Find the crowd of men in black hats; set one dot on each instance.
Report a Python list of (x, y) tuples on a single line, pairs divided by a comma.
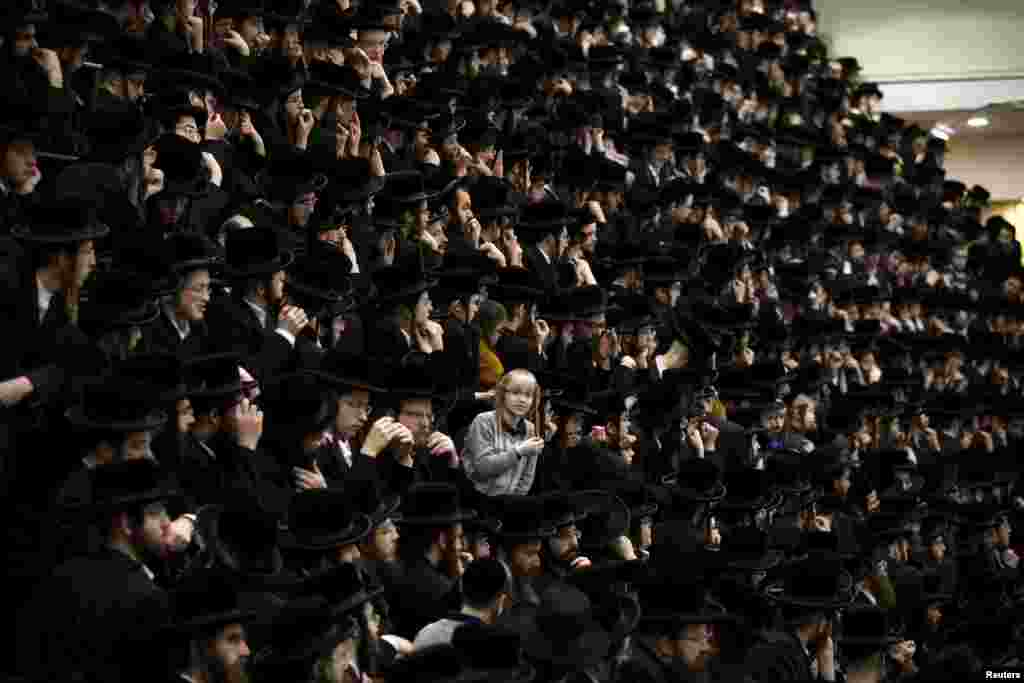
[(504, 340)]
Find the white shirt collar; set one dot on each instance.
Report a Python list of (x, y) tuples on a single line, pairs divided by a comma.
[(543, 254), (45, 296), (260, 311), (182, 327)]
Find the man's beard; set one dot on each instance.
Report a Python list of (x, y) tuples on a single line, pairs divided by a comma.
[(217, 672)]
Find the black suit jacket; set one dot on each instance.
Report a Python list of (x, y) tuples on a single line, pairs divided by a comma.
[(163, 337), (233, 325), (91, 617), (545, 273)]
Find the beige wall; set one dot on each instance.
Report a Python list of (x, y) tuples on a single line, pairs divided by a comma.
[(900, 40), (994, 163)]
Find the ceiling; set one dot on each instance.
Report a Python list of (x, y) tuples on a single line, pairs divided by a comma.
[(1003, 123)]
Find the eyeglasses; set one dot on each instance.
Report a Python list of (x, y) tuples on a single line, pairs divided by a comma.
[(361, 407), (202, 289)]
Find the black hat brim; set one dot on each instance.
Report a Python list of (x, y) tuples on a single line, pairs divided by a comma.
[(439, 520), (154, 420), (284, 259), (358, 530)]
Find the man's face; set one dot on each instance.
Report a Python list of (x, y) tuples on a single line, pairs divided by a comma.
[(934, 615), (18, 163), (937, 549), (347, 554), (228, 655), (589, 238), (437, 232), (194, 296), (524, 559), (424, 307), (1003, 534), (566, 545), (275, 295), (373, 43), (454, 540), (149, 539), (417, 416), (25, 40), (184, 415), (84, 263), (804, 419), (694, 647), (343, 659), (353, 410), (134, 86), (137, 446), (776, 422), (463, 206), (385, 542)]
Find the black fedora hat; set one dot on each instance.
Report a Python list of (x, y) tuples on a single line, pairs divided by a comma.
[(341, 80), (345, 587), (255, 252), (669, 598), (749, 489), (577, 304), (213, 375), (696, 480), (290, 174), (322, 519), (433, 504), (748, 549), (352, 180), (322, 274), (298, 403), (563, 631), (522, 519), (239, 86), (605, 518), (185, 252), (406, 187), (128, 483), (116, 133), (241, 535), (66, 221), (181, 160), (818, 581), (397, 282), (205, 600), (302, 631), (117, 299), (516, 284), (163, 372), (343, 370), (117, 404)]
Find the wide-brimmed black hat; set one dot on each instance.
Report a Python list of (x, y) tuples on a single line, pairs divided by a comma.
[(516, 284), (291, 174), (523, 519), (213, 375), (345, 587), (605, 518), (181, 160), (185, 252), (128, 483), (433, 504), (749, 489), (401, 281), (163, 372), (117, 404), (322, 274), (345, 371), (118, 299), (563, 631), (187, 70), (819, 581), (63, 222), (240, 86), (254, 252), (407, 187), (748, 549), (117, 133), (298, 403), (304, 630), (577, 304), (541, 219), (322, 519), (352, 180), (205, 600), (676, 600), (241, 535), (696, 480), (342, 80)]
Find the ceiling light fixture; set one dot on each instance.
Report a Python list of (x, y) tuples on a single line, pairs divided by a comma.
[(978, 122)]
